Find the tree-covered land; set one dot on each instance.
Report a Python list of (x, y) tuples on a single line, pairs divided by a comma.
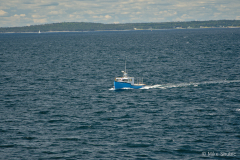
[(86, 26)]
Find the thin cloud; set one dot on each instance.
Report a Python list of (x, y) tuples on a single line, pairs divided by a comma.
[(2, 13), (50, 4)]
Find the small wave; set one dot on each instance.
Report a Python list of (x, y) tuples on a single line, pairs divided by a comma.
[(238, 109)]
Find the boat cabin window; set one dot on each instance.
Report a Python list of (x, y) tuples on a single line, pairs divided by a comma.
[(123, 80)]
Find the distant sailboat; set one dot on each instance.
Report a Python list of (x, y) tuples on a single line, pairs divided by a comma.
[(39, 31)]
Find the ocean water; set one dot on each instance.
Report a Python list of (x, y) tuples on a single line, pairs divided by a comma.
[(57, 101)]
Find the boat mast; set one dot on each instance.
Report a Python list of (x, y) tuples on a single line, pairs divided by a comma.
[(125, 72)]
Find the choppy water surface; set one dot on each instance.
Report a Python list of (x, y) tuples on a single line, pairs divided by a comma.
[(56, 100)]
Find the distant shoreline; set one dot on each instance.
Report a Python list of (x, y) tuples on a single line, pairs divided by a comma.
[(124, 30), (89, 27)]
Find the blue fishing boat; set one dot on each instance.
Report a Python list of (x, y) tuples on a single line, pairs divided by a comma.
[(126, 82)]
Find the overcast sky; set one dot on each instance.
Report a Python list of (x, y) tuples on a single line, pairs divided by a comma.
[(33, 12)]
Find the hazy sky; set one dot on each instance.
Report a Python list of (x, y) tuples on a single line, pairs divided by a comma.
[(33, 12)]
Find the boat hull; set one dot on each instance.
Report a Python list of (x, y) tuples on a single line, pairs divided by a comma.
[(122, 85)]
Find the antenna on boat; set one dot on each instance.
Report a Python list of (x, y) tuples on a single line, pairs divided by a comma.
[(125, 72)]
